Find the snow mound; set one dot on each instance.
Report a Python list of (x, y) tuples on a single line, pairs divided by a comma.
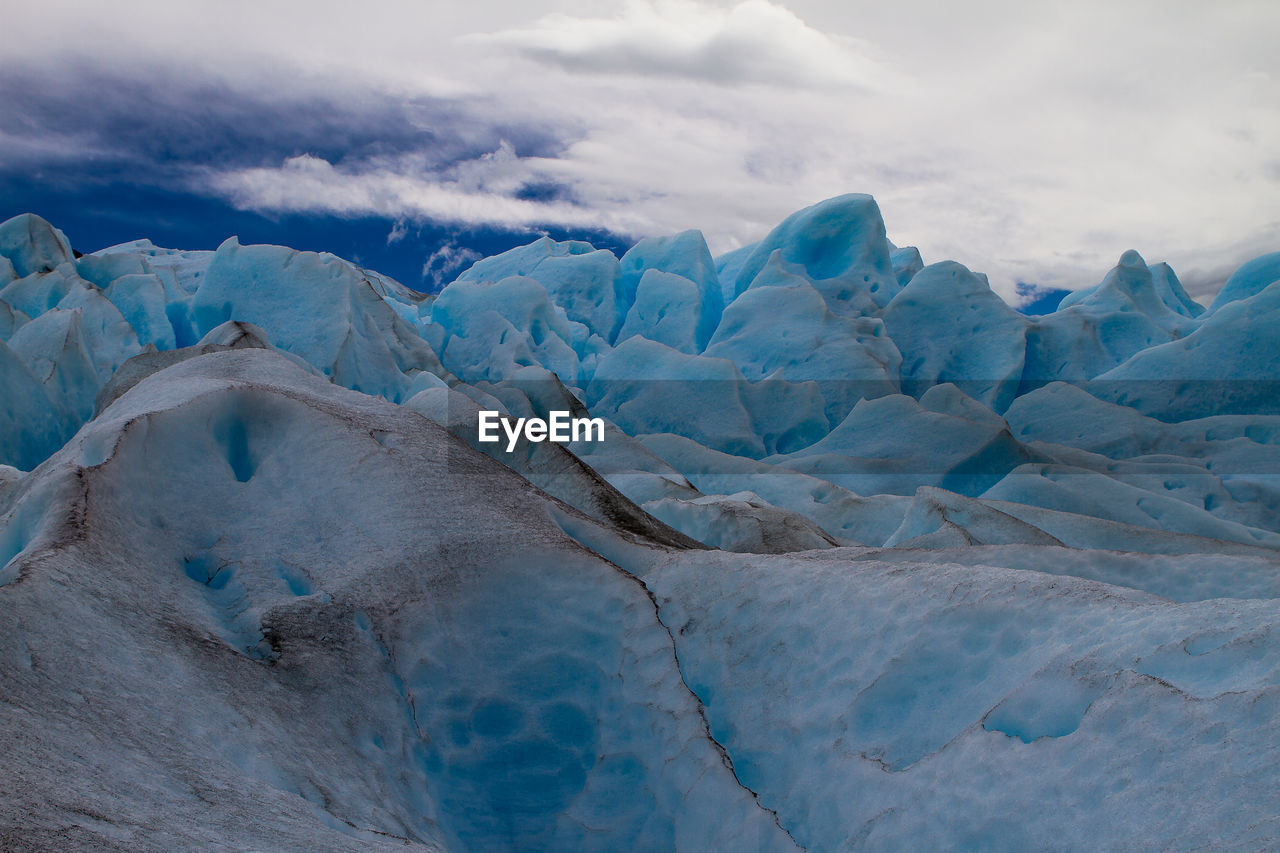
[(332, 681), (741, 522)]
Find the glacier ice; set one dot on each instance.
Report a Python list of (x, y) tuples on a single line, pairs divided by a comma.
[(686, 257), (32, 246), (317, 307), (586, 282), (1250, 279), (951, 328), (508, 712), (141, 300), (492, 329), (10, 319), (55, 348), (906, 261), (764, 353), (787, 332), (839, 244), (953, 701), (669, 309), (32, 428), (1230, 364), (1096, 329), (867, 559), (741, 522)]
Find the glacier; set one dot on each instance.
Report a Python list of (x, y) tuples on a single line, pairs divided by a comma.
[(867, 559)]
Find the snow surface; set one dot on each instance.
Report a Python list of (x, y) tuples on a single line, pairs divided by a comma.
[(320, 680)]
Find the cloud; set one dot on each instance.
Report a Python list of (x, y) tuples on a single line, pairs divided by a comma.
[(445, 261), (399, 230), (404, 189), (167, 125), (755, 41), (1034, 144)]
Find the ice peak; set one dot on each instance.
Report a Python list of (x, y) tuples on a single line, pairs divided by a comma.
[(32, 245)]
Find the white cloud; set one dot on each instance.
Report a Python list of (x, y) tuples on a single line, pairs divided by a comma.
[(445, 261), (755, 41), (1028, 141), (396, 189), (399, 230)]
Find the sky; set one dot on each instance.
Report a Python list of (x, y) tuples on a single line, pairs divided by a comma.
[(1032, 142)]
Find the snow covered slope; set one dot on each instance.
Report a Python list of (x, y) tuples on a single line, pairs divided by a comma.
[(350, 630), (936, 705)]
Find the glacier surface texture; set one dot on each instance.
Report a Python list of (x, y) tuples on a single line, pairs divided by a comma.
[(866, 560)]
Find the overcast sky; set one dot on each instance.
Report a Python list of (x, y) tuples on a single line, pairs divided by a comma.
[(1032, 143)]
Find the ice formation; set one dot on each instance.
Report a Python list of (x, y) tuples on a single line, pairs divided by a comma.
[(867, 559)]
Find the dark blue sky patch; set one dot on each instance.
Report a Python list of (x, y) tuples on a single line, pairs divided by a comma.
[(1034, 300), (109, 159), (100, 215), (545, 191), (188, 123)]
